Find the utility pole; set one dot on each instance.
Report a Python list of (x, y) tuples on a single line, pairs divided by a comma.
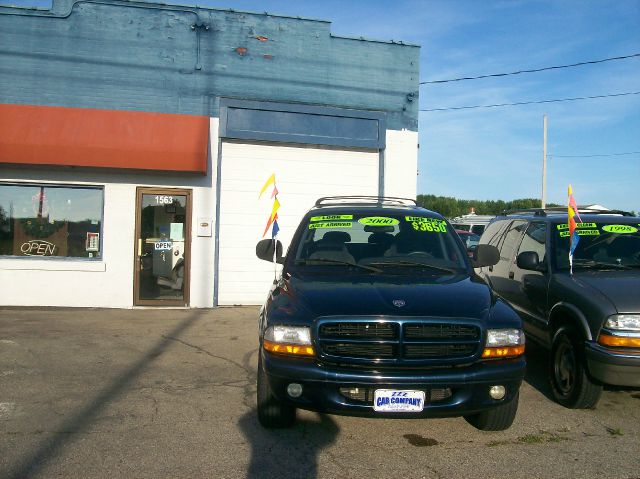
[(544, 162)]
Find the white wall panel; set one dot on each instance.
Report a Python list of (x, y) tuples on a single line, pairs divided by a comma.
[(303, 174), (401, 164)]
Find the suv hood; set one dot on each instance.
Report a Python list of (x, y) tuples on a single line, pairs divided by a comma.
[(620, 287), (310, 298)]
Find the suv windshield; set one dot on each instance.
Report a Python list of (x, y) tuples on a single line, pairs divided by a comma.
[(378, 241), (601, 245)]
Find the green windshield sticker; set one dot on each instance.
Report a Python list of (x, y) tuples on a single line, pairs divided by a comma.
[(378, 221), (620, 229), (331, 218), (330, 224), (565, 234), (565, 226), (433, 225)]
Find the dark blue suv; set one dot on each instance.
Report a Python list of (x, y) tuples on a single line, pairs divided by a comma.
[(378, 312)]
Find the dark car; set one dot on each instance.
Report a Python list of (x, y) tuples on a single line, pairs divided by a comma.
[(587, 316), (378, 313)]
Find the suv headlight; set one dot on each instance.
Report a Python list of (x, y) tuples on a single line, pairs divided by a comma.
[(503, 343), (622, 331), (292, 340)]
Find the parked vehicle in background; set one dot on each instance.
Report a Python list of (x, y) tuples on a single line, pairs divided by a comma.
[(470, 240), (472, 222), (588, 319), (379, 313)]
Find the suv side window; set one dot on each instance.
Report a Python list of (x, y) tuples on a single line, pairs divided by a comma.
[(493, 233), (512, 239), (535, 239)]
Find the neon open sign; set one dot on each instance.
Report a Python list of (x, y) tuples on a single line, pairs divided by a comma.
[(37, 248)]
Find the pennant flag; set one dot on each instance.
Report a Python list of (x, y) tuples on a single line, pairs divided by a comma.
[(574, 237), (270, 181), (273, 218)]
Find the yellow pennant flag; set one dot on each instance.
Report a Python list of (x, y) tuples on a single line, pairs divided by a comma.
[(270, 181)]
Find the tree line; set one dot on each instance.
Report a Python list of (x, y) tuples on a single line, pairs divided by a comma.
[(452, 207)]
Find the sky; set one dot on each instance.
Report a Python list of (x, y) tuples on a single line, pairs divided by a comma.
[(497, 153)]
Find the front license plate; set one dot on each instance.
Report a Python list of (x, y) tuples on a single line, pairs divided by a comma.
[(392, 400)]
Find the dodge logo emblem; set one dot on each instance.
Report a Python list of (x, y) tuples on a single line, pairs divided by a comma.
[(399, 303)]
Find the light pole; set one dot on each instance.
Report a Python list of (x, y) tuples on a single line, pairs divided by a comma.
[(544, 162)]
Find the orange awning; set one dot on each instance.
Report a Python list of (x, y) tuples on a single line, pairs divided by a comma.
[(44, 135)]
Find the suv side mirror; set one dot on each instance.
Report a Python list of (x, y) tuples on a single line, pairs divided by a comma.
[(529, 260), (485, 255), (265, 249)]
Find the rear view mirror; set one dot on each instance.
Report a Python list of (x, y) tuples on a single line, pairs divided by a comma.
[(265, 250), (485, 255)]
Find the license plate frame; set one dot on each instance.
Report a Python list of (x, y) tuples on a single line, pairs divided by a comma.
[(398, 400)]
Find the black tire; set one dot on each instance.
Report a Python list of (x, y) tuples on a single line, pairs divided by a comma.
[(570, 382), (272, 413), (496, 419)]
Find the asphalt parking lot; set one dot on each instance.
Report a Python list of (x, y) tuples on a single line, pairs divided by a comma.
[(171, 393)]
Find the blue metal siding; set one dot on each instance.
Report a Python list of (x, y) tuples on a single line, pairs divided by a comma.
[(147, 57)]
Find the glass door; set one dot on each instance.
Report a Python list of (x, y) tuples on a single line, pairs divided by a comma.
[(162, 256)]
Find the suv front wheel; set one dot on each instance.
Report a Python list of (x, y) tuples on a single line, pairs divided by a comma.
[(272, 413), (496, 419), (571, 385)]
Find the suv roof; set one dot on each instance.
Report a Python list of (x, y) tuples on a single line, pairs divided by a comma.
[(364, 201), (559, 211)]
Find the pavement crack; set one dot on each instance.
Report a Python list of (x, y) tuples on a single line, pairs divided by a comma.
[(202, 350)]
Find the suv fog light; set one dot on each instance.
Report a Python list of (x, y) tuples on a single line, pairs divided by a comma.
[(294, 390), (497, 392)]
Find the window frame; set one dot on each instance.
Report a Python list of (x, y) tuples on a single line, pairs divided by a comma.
[(70, 259)]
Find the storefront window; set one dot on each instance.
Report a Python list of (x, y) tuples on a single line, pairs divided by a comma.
[(50, 220)]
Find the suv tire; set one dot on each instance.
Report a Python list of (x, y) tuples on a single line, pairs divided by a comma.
[(496, 419), (570, 383), (272, 413)]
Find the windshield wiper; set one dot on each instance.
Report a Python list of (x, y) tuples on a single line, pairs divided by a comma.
[(415, 264), (589, 263), (335, 261)]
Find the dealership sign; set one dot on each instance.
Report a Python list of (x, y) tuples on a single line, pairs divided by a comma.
[(37, 248)]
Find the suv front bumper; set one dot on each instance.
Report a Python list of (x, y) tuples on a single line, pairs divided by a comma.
[(469, 386), (615, 367)]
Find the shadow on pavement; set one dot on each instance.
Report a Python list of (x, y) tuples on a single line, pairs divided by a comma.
[(50, 447), (291, 453), (537, 372)]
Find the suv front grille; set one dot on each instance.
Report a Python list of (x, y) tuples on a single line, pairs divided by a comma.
[(359, 330), (357, 350), (397, 341)]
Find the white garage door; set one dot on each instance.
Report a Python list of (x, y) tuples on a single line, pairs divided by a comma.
[(303, 174)]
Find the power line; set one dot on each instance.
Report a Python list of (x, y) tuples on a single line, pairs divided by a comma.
[(535, 70), (532, 102), (595, 156)]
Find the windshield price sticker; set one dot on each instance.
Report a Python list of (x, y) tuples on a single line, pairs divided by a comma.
[(565, 234), (565, 226), (420, 223), (330, 224), (620, 229), (331, 218), (391, 400), (163, 246), (378, 221)]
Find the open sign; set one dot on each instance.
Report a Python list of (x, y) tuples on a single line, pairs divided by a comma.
[(163, 245)]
